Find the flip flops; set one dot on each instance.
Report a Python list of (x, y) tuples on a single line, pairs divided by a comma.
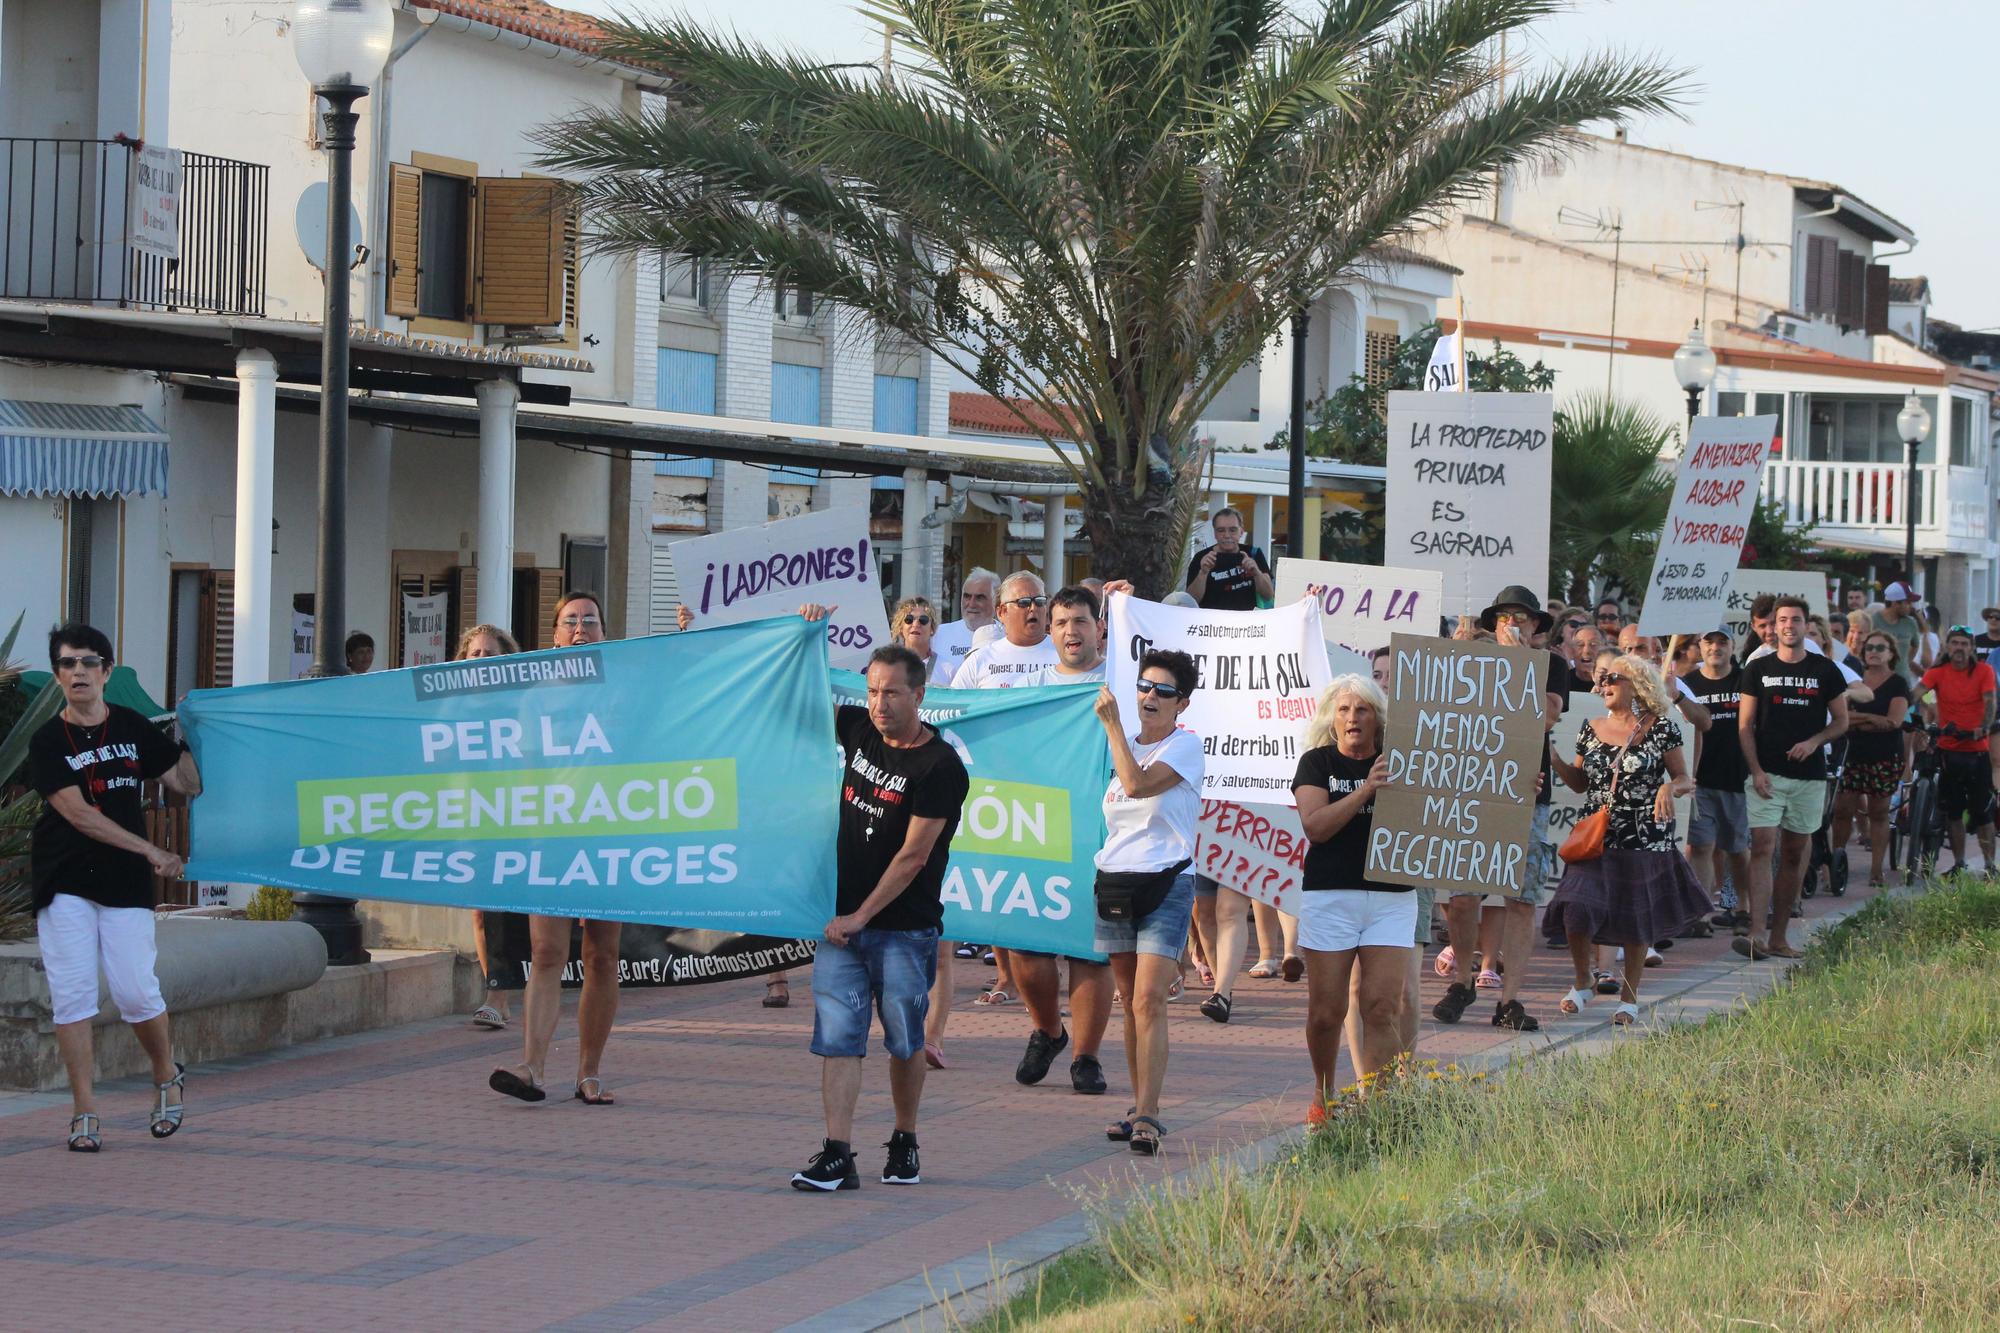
[(486, 1016), (511, 1084), (597, 1096)]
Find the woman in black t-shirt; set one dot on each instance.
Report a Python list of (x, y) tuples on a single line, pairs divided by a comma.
[(1878, 752), (1348, 923), (93, 872)]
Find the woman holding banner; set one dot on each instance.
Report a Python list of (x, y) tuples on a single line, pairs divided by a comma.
[(1638, 887), (1354, 930), (1151, 809), (490, 641)]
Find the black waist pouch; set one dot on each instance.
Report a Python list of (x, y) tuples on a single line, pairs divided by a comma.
[(1131, 895)]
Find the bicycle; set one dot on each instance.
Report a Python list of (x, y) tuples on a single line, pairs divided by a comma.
[(1916, 826)]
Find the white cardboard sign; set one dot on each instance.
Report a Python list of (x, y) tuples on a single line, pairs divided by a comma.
[(1360, 606), (1468, 491), (753, 573), (1715, 493), (1746, 585), (153, 202), (423, 629), (1257, 850)]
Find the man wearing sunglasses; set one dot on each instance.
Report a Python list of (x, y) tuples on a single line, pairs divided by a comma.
[(1609, 619), (1720, 819), (1024, 648), (1989, 640), (953, 643), (1229, 576), (1958, 694)]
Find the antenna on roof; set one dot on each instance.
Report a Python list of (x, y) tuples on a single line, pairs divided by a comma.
[(1610, 223)]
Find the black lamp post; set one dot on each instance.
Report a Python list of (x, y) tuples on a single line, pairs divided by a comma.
[(341, 45), (1295, 494), (1913, 423), (1694, 367)]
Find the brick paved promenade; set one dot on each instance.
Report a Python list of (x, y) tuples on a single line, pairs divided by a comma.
[(374, 1181)]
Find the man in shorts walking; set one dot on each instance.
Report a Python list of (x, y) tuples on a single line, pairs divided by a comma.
[(1957, 694), (1720, 822)]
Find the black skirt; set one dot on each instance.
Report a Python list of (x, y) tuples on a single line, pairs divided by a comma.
[(1626, 897)]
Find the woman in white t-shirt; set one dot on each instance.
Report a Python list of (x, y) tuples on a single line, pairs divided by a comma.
[(1151, 808)]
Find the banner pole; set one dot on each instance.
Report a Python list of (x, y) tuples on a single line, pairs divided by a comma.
[(1463, 387)]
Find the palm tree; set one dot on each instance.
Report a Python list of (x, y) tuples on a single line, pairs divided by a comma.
[(1608, 495), (1104, 208)]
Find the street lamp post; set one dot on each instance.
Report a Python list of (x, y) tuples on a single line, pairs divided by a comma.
[(1913, 423), (341, 46), (1694, 367), (1295, 490)]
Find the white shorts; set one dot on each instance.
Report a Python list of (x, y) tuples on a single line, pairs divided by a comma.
[(1334, 920), (78, 936)]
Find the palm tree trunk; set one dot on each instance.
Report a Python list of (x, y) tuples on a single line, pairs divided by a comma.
[(1130, 539)]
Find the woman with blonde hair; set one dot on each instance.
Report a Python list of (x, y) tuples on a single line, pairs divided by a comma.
[(913, 624), (489, 641), (1354, 931), (1860, 624), (1641, 888)]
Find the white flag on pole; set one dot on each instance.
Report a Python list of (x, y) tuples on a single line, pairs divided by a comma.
[(1442, 374)]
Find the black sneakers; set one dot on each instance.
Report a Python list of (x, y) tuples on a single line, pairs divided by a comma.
[(1512, 1015), (1087, 1076), (1041, 1053), (901, 1168), (1457, 999), (832, 1168)]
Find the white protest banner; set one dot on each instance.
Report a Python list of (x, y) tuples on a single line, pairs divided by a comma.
[(1257, 850), (751, 573), (423, 629), (1747, 585), (1715, 493), (1465, 748), (153, 202), (1566, 807), (1468, 490), (1360, 606), (1261, 673), (302, 644)]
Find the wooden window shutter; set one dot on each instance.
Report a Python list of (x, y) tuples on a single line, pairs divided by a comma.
[(521, 263), (1819, 300), (548, 591), (1850, 309), (465, 598), (215, 666), (406, 197), (1876, 307)]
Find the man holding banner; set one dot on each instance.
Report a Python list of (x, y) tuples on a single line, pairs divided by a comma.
[(902, 789)]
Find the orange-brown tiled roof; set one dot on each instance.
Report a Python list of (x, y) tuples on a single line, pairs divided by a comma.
[(993, 416), (531, 18)]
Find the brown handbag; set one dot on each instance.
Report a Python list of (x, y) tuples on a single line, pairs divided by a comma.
[(1586, 841)]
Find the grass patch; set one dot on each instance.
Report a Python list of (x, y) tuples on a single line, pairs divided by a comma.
[(1826, 1158)]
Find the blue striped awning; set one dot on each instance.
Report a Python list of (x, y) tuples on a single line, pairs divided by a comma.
[(80, 449)]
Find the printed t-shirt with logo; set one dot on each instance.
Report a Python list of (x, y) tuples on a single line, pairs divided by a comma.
[(105, 763), (1878, 747), (951, 645), (1232, 584), (1339, 862), (1154, 832), (1793, 703), (1055, 675), (1961, 702), (882, 788), (1722, 767), (1002, 664)]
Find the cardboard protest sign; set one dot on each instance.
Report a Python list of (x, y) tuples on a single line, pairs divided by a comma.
[(1261, 674), (1465, 748), (1715, 493), (1361, 606), (561, 782), (750, 573), (1747, 585), (1022, 872), (1468, 490), (1567, 806), (1257, 850), (423, 629)]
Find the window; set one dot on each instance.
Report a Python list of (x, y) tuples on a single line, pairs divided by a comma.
[(896, 404), (476, 249), (444, 268), (794, 302), (685, 281), (94, 535), (1731, 404), (685, 381), (587, 566), (1854, 429), (1964, 440), (795, 394), (1378, 356)]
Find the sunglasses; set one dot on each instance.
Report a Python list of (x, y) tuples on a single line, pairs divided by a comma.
[(916, 620), (1574, 625), (578, 622), (1875, 647), (1610, 678), (1027, 603), (1154, 687), (91, 663)]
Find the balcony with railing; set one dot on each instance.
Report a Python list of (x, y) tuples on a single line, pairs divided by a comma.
[(66, 233), (1869, 505)]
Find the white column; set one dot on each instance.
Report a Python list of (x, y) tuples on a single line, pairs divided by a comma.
[(916, 507), (498, 400), (1260, 523), (256, 437), (1053, 508)]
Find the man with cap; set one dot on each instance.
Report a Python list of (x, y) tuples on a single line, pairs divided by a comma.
[(1899, 620), (1720, 820), (1514, 615), (1958, 694)]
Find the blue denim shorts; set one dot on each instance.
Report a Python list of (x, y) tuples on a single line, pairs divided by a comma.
[(888, 972), (1161, 932)]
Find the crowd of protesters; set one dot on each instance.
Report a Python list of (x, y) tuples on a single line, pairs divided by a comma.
[(1741, 730)]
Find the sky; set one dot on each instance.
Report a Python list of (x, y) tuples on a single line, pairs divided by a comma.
[(1883, 100)]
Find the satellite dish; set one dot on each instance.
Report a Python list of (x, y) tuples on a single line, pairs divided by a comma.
[(309, 221)]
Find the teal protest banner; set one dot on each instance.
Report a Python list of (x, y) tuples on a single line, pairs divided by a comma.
[(1022, 862), (643, 780)]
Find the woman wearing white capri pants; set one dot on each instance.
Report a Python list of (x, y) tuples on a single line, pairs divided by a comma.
[(93, 872)]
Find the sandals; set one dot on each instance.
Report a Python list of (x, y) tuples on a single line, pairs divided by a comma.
[(1574, 1001), (598, 1096), (167, 1118), (486, 1016), (934, 1055), (990, 998), (1294, 968), (1217, 1007), (1264, 970), (777, 994), (1146, 1135), (1625, 1015), (511, 1084), (1176, 988), (1446, 963), (1606, 983), (1205, 974), (1121, 1131), (1488, 980), (88, 1139)]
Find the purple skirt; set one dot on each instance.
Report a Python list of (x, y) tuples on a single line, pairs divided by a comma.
[(1626, 897)]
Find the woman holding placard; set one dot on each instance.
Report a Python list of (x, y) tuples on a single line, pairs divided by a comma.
[(1626, 882)]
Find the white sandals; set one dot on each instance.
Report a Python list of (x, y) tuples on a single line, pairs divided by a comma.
[(167, 1118), (1574, 1002), (1625, 1015)]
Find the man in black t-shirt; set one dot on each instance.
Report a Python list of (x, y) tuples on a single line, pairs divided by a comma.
[(1792, 703), (1720, 820), (93, 869), (902, 787), (1229, 576)]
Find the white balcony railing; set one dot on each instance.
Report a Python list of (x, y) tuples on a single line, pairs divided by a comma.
[(1852, 495)]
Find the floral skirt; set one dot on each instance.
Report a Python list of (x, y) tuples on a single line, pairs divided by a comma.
[(1876, 778), (1626, 897)]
